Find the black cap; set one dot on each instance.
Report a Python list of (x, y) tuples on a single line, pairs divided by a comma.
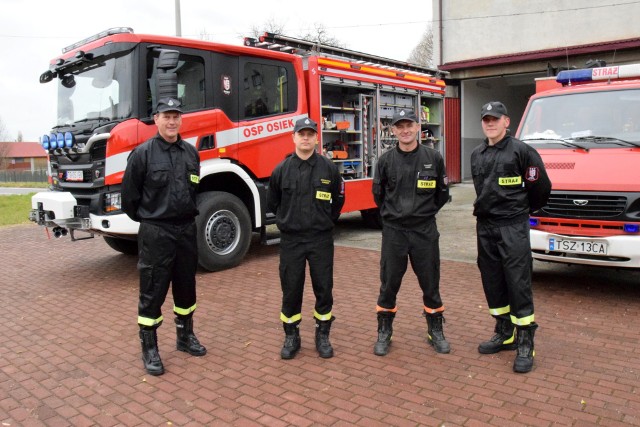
[(494, 109), (404, 115), (305, 123), (168, 104)]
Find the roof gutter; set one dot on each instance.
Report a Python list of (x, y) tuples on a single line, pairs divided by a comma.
[(560, 52)]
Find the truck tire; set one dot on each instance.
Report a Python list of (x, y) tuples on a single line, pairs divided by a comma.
[(224, 230), (372, 218), (127, 247)]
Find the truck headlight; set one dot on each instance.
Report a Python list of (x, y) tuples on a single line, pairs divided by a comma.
[(112, 202)]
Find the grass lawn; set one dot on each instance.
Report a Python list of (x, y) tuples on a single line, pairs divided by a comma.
[(14, 209), (24, 184)]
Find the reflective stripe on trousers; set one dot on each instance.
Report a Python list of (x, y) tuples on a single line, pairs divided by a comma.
[(505, 262), (168, 255)]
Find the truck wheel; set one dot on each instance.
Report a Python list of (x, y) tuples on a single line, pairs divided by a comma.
[(128, 247), (372, 218), (224, 230)]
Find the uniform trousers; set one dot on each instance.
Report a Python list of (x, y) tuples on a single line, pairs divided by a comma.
[(505, 263), (421, 247), (168, 254), (294, 255)]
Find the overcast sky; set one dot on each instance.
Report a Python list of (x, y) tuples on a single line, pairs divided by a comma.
[(32, 32)]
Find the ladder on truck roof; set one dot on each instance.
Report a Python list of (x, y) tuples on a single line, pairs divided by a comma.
[(272, 41)]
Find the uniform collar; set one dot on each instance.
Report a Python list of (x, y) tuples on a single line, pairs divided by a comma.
[(311, 160), (407, 152), (167, 145), (498, 145)]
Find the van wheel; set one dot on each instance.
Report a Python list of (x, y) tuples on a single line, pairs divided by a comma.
[(224, 230), (372, 218), (127, 247)]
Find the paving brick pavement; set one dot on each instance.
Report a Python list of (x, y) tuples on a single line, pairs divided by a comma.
[(70, 352)]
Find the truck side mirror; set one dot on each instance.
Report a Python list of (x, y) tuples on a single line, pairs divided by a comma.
[(47, 76)]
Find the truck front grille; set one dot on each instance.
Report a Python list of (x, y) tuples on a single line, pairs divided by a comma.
[(585, 205)]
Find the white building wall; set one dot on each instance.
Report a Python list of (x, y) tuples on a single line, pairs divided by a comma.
[(472, 30), (475, 93), (484, 28)]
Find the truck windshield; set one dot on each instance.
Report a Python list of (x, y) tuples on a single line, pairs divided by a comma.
[(98, 91), (592, 119)]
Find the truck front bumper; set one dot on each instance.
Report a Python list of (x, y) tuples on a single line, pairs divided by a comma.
[(621, 251), (60, 209)]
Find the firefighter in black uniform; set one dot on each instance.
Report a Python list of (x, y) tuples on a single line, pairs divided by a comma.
[(159, 191), (510, 182), (306, 193), (410, 186)]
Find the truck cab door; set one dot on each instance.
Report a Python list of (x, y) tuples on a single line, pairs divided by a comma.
[(224, 87)]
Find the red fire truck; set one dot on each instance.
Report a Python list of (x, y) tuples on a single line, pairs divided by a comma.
[(240, 104), (586, 126)]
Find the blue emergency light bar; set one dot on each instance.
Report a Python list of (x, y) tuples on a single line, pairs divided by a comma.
[(600, 73), (57, 140)]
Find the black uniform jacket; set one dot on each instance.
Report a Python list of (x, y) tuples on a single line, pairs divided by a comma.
[(160, 181), (306, 198), (510, 180), (410, 187)]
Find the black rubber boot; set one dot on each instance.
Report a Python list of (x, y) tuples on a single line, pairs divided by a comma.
[(150, 356), (291, 340), (504, 339), (385, 331), (435, 332), (524, 357), (186, 340), (323, 327)]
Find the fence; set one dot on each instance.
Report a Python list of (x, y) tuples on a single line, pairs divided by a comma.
[(23, 175)]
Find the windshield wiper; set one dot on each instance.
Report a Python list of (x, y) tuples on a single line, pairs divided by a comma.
[(596, 139), (559, 141)]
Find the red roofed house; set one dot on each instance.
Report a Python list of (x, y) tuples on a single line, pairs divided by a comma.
[(22, 156)]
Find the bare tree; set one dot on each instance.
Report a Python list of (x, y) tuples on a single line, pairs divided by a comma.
[(319, 34), (4, 151), (422, 54), (270, 26), (4, 146), (205, 35), (4, 134)]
